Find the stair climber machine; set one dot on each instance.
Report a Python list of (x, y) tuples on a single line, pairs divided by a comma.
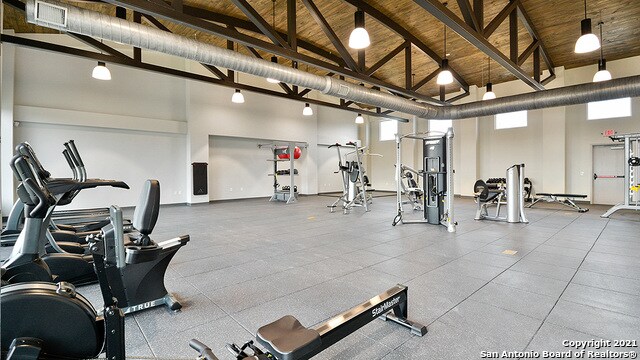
[(436, 192), (512, 193), (355, 182), (48, 320), (70, 225), (136, 264)]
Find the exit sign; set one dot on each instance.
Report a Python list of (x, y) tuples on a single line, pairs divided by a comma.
[(609, 132)]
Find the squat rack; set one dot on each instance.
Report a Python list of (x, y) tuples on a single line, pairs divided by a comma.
[(631, 181)]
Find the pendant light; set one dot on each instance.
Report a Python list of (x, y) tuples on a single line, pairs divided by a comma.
[(359, 119), (307, 111), (359, 38), (101, 72), (445, 77), (274, 59), (603, 74), (588, 41), (237, 96), (489, 94)]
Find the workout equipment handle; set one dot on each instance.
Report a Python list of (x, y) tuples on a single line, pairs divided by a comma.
[(75, 153), (596, 176), (35, 190), (67, 157), (71, 155), (334, 145), (204, 350)]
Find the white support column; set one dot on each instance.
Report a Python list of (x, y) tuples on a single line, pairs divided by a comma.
[(7, 185)]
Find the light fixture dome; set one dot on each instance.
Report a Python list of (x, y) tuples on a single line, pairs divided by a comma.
[(237, 97), (359, 119), (445, 76), (489, 95), (307, 111), (588, 42), (359, 38), (101, 72), (603, 74)]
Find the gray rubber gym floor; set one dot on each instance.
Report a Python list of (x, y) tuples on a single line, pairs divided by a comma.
[(573, 277)]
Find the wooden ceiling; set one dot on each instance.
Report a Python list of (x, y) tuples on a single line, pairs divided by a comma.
[(556, 22)]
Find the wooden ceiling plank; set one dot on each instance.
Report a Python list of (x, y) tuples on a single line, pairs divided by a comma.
[(435, 8), (259, 21), (406, 34), (248, 25), (528, 51), (526, 21), (502, 15), (328, 31), (424, 81), (468, 14), (386, 58)]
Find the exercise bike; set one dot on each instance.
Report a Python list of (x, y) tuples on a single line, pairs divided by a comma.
[(135, 265), (46, 320)]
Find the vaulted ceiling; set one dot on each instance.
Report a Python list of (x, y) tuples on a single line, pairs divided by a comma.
[(406, 35)]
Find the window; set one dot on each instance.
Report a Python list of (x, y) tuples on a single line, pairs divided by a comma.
[(388, 130), (511, 120), (609, 109), (440, 125)]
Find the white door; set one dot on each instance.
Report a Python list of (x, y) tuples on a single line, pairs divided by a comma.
[(608, 174)]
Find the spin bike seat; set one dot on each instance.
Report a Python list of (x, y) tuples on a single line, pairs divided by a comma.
[(287, 339)]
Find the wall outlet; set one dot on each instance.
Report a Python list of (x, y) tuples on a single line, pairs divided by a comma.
[(230, 189), (241, 189), (179, 192), (581, 173)]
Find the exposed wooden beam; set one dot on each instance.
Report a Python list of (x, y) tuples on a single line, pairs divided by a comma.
[(328, 31), (502, 15), (259, 21), (435, 8)]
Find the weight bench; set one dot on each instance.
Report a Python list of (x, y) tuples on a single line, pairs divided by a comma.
[(567, 200)]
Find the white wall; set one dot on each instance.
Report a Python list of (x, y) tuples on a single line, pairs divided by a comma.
[(143, 124)]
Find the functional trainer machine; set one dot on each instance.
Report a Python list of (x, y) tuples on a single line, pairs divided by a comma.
[(631, 170), (513, 192), (355, 183), (437, 179), (287, 339)]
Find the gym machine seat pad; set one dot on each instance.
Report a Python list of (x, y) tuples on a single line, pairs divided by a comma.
[(288, 339)]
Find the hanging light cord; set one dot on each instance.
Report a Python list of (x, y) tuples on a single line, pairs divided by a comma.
[(601, 40), (445, 41), (489, 64), (585, 9), (273, 14)]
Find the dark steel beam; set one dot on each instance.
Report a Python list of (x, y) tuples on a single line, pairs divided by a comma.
[(502, 15), (292, 29), (203, 25), (468, 14), (129, 62), (406, 34), (527, 52), (424, 81), (526, 21), (230, 73), (386, 58), (407, 68), (248, 25), (177, 4), (458, 97), (513, 36), (259, 21), (536, 64), (137, 52), (456, 24), (214, 70), (328, 31), (478, 9), (304, 92), (19, 5)]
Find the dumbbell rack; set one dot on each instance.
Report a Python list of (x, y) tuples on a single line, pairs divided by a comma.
[(277, 148)]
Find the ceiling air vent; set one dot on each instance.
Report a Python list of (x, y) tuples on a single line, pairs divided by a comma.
[(343, 90), (51, 14)]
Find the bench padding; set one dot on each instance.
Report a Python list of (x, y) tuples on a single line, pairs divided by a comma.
[(287, 339)]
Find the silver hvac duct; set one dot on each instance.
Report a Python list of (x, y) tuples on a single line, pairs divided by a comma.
[(68, 18)]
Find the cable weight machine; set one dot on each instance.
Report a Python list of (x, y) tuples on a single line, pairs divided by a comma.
[(436, 176)]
